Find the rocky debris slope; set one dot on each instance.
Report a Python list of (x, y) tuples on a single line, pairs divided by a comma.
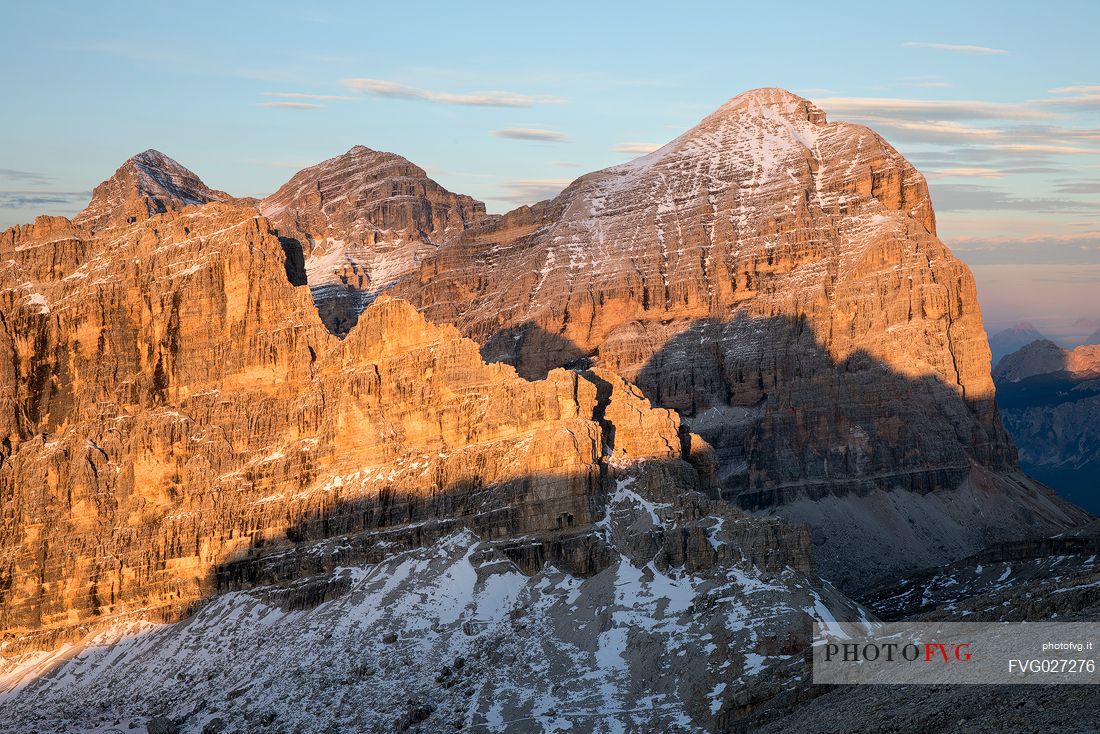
[(1039, 580), (454, 636), (777, 280), (1042, 579), (362, 220), (1049, 398), (957, 709), (147, 184)]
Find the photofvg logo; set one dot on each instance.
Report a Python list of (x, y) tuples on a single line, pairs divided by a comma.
[(910, 652), (954, 652)]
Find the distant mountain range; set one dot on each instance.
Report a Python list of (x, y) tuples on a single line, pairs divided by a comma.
[(1010, 339), (1049, 398)]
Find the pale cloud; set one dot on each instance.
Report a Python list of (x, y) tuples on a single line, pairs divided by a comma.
[(384, 88), (926, 81), (35, 198), (1077, 89), (1091, 236), (293, 105), (950, 197), (930, 109), (964, 172), (531, 190), (1054, 149), (960, 48), (1080, 102), (636, 147), (25, 177), (531, 133), (1078, 187), (931, 131), (302, 95)]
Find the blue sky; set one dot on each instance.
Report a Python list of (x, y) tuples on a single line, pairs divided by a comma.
[(997, 103)]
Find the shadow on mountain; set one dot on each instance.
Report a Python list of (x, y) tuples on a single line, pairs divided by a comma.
[(892, 472), (533, 351), (295, 262), (787, 419), (534, 518)]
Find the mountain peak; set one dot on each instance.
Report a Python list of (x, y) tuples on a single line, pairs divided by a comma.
[(368, 217), (148, 183), (768, 99)]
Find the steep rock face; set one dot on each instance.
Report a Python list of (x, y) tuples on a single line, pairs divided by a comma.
[(777, 280), (147, 184), (178, 421), (181, 434), (762, 251), (363, 219)]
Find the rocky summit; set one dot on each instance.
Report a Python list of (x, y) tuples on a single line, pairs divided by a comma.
[(361, 221), (363, 444), (777, 280)]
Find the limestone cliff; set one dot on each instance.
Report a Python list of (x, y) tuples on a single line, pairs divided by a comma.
[(777, 280), (173, 406)]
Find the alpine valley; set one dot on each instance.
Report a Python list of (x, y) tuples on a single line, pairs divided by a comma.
[(359, 456)]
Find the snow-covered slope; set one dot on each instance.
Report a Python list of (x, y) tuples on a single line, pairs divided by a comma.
[(448, 637)]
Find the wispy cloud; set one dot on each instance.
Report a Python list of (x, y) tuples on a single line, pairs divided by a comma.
[(975, 197), (394, 90), (27, 177), (926, 81), (1078, 187), (1077, 89), (960, 48), (1091, 236), (303, 95), (635, 147), (965, 172), (1080, 247), (931, 109), (531, 190), (930, 131), (1080, 98), (531, 133), (32, 198), (293, 105), (1053, 149)]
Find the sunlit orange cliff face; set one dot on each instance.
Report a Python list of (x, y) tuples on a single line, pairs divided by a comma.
[(760, 309)]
